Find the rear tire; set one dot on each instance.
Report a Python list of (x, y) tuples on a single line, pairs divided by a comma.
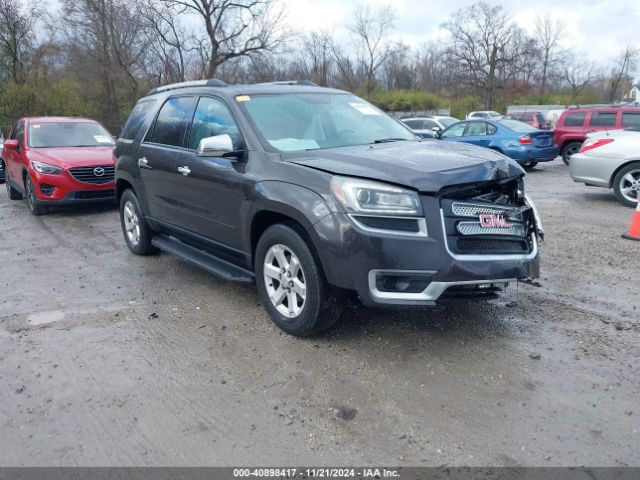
[(569, 150), (136, 230), (11, 192), (291, 283), (626, 183)]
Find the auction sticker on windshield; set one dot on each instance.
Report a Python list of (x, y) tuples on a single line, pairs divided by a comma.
[(365, 109)]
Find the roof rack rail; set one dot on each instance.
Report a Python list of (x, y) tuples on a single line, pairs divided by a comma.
[(290, 82), (212, 82)]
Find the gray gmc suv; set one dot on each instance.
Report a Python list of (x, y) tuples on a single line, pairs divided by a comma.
[(315, 194)]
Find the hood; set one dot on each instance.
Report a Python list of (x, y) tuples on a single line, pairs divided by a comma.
[(424, 166), (73, 156)]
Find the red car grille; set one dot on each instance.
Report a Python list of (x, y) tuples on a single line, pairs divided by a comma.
[(98, 174)]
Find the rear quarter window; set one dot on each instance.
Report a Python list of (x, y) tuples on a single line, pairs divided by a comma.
[(138, 120), (631, 119), (575, 119)]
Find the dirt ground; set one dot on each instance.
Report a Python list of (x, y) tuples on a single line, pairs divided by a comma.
[(111, 359)]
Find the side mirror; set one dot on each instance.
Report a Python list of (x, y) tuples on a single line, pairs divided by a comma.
[(215, 146), (11, 144), (436, 129)]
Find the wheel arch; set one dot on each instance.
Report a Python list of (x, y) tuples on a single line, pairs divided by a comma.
[(617, 170)]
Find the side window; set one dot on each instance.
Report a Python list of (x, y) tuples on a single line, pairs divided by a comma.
[(455, 130), (413, 124), (136, 120), (475, 129), (429, 124), (630, 119), (603, 119), (575, 119), (491, 129), (172, 121), (212, 118), (19, 133)]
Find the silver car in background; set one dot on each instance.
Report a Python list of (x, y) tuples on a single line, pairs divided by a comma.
[(610, 159)]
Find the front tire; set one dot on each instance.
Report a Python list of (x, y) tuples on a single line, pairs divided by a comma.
[(136, 230), (34, 206), (569, 150), (626, 185), (291, 283)]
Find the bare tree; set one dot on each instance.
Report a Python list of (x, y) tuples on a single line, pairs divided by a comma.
[(315, 60), (371, 26), (484, 42), (578, 75), (16, 32), (624, 64), (168, 43), (549, 33), (235, 28), (105, 42)]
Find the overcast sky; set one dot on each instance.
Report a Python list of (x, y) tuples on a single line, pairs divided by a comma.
[(597, 29)]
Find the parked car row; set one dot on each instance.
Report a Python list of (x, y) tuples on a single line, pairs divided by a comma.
[(603, 141)]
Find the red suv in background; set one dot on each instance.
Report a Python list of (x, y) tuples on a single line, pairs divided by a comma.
[(575, 123), (535, 119), (59, 161)]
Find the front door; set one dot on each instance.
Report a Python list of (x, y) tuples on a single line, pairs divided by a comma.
[(211, 189)]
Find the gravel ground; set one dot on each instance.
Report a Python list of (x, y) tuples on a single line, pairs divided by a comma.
[(111, 359)]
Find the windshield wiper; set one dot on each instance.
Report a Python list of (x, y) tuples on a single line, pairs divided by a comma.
[(392, 139)]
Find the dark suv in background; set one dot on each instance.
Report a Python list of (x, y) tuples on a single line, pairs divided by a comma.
[(314, 193), (575, 123)]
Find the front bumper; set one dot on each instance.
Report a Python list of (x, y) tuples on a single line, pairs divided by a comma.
[(83, 196), (352, 258), (63, 189)]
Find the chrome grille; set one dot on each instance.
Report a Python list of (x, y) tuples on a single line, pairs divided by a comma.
[(90, 174), (474, 228), (472, 210)]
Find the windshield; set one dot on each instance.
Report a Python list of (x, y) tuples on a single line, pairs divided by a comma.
[(494, 114), (517, 126), (68, 134), (446, 121), (311, 121)]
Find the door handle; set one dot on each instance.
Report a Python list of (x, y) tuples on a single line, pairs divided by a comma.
[(184, 170), (144, 163)]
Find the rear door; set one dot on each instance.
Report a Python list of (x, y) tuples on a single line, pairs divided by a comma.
[(160, 153), (211, 189), (602, 120)]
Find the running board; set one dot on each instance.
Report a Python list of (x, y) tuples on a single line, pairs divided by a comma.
[(204, 260)]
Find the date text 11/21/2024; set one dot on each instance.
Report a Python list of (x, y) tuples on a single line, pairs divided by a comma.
[(316, 472)]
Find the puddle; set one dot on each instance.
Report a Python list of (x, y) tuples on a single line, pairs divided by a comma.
[(42, 318)]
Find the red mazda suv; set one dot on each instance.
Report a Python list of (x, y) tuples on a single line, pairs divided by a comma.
[(59, 161)]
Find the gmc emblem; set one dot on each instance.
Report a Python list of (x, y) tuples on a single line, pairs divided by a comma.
[(494, 221)]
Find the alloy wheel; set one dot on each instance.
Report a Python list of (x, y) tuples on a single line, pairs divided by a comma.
[(285, 280), (131, 223), (630, 185)]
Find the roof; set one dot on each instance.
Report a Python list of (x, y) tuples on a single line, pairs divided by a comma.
[(302, 86), (60, 119)]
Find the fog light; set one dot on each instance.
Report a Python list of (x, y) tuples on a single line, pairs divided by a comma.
[(46, 189), (402, 282)]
